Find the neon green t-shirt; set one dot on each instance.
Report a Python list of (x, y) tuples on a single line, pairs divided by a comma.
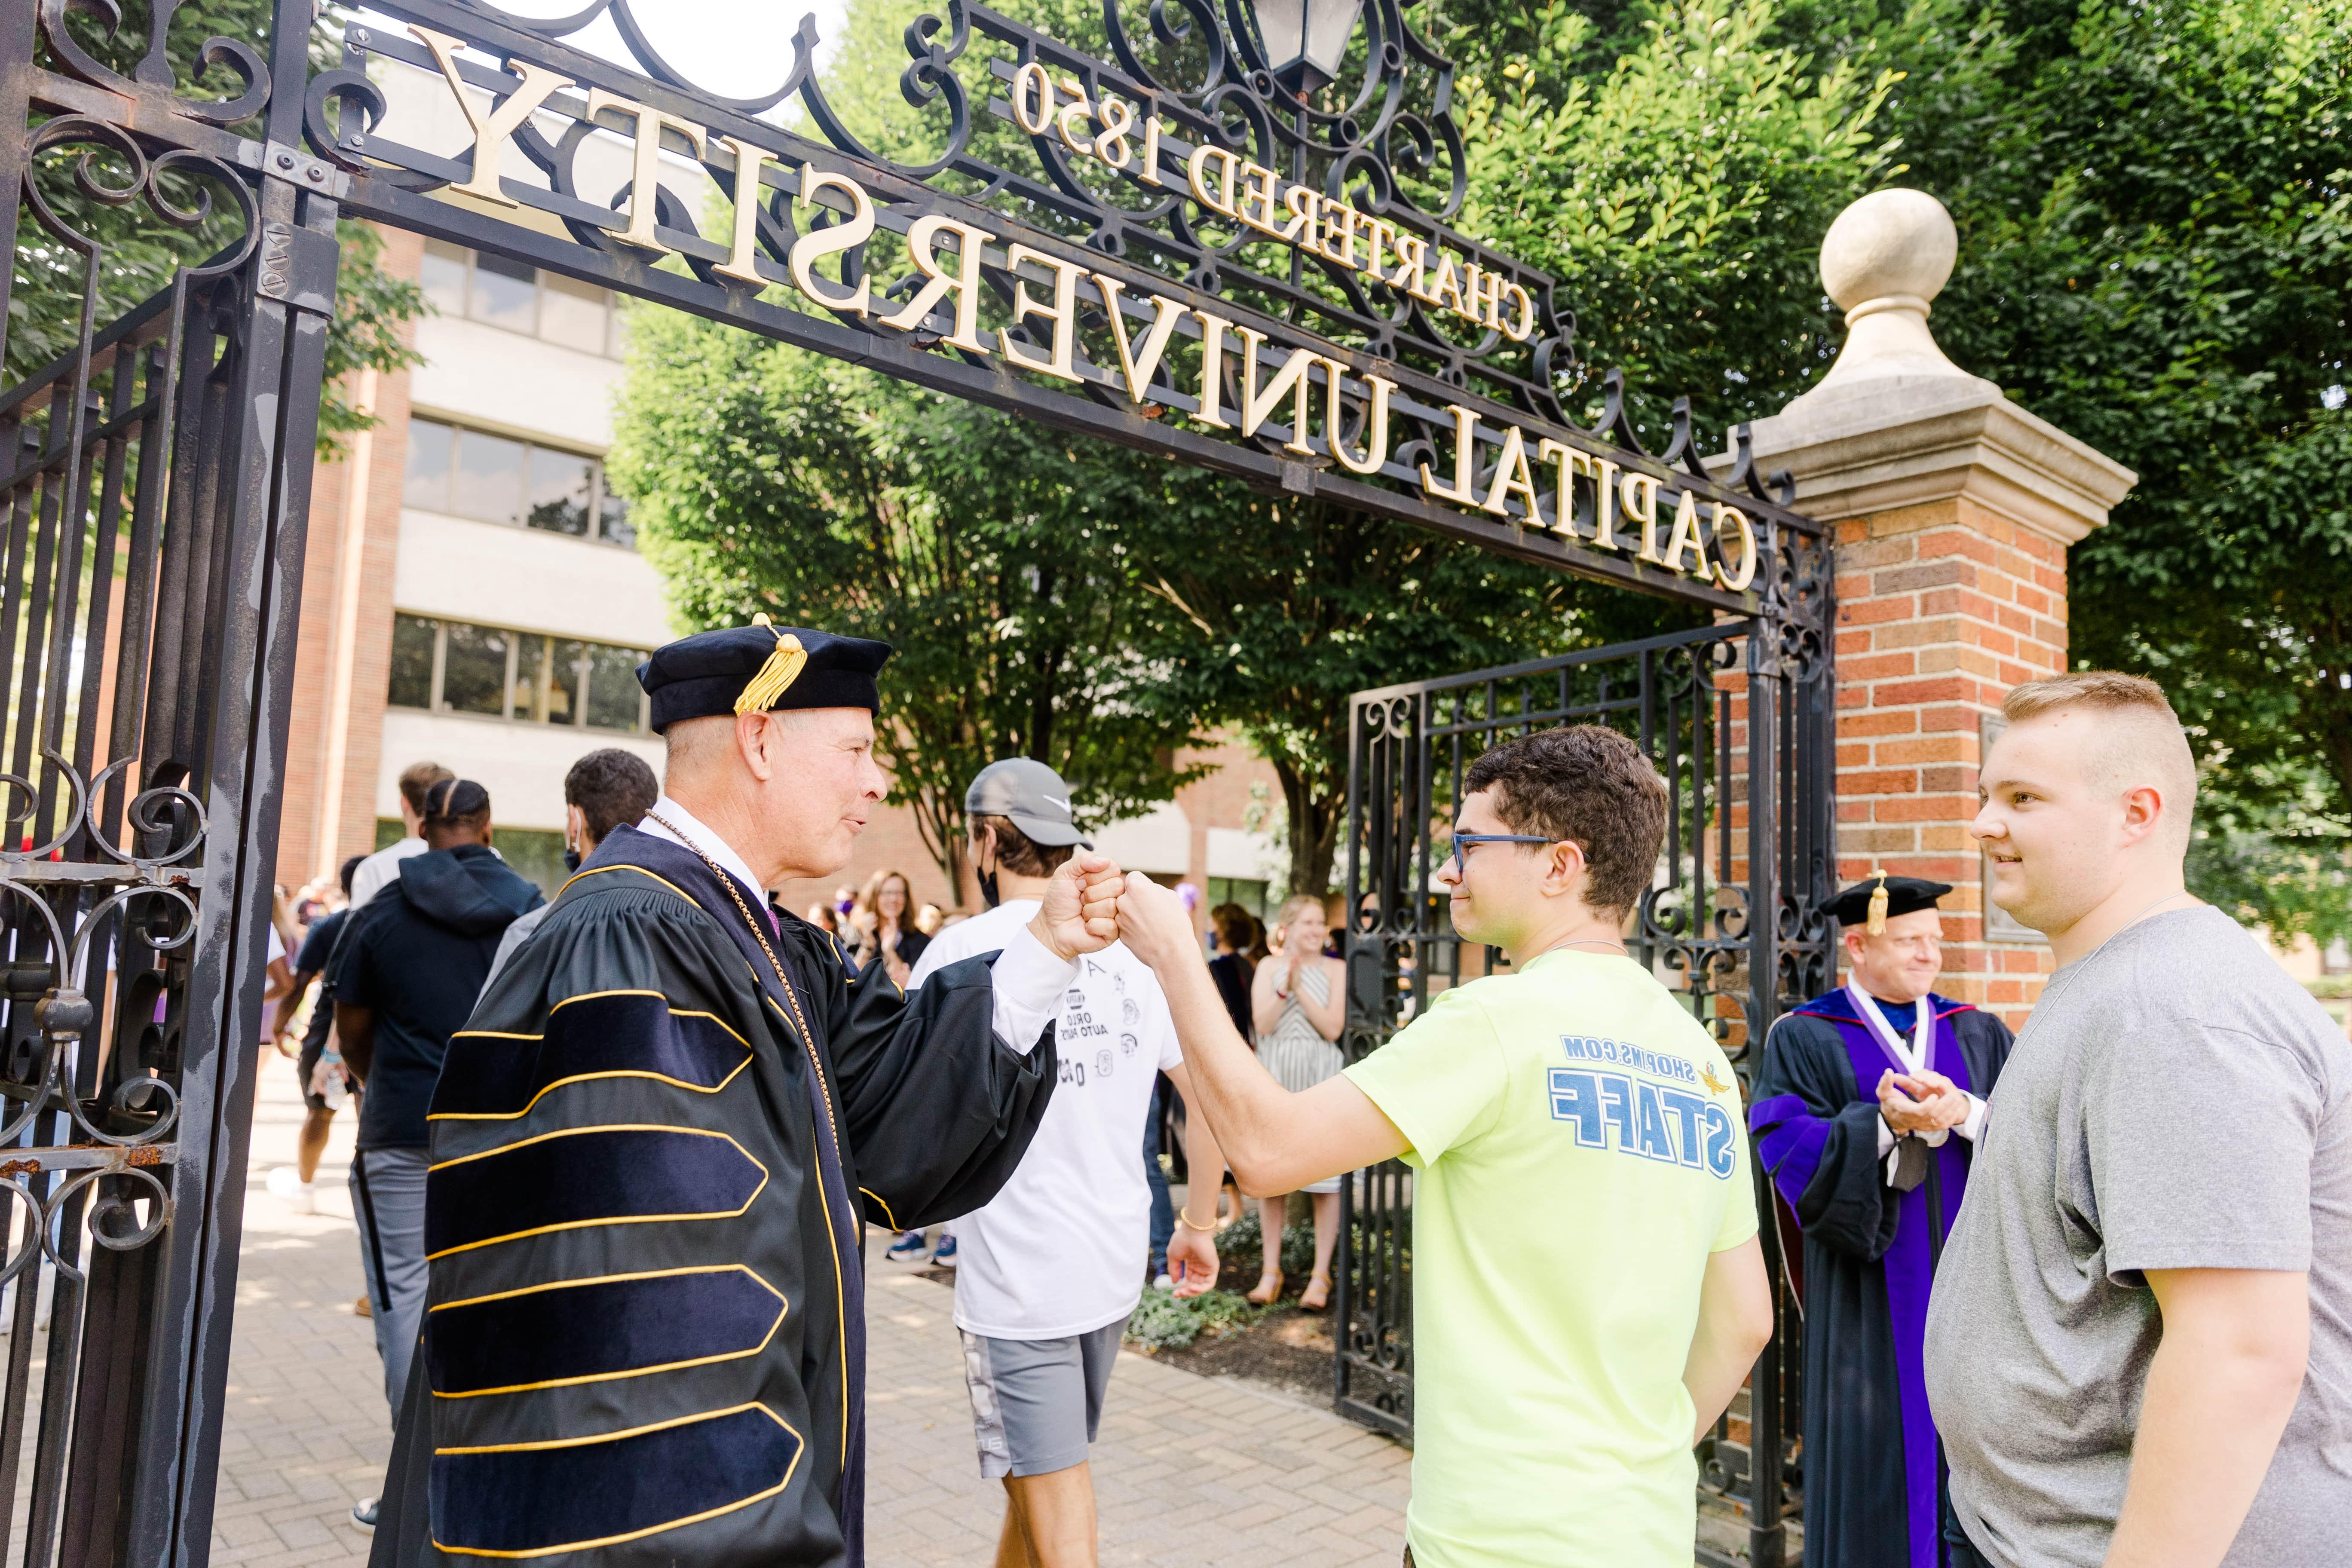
[(1582, 1151)]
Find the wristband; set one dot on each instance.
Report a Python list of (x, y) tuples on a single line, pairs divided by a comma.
[(1186, 1220)]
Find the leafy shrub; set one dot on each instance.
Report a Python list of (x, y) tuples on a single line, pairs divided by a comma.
[(1164, 1321), (1240, 1250)]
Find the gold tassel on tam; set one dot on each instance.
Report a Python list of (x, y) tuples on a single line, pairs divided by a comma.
[(1876, 924), (783, 667)]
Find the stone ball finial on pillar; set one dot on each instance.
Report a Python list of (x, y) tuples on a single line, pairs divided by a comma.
[(1883, 261)]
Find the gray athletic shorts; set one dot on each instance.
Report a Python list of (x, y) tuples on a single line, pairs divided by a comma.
[(1036, 1402)]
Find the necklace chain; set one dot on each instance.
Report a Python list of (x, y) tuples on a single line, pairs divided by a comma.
[(808, 1040)]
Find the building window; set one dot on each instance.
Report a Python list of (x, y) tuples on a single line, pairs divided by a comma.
[(456, 666), (522, 299), (496, 478)]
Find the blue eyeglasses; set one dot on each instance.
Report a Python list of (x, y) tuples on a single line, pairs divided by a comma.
[(1457, 853)]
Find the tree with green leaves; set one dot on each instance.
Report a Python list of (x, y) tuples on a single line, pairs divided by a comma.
[(2157, 254)]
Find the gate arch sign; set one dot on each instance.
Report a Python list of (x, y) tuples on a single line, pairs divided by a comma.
[(1169, 249), (1194, 261)]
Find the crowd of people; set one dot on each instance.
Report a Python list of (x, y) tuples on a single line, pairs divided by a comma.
[(2080, 1296)]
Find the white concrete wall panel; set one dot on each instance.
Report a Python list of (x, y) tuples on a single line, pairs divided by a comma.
[(523, 766), (500, 576), (1160, 842), (480, 374), (1246, 856)]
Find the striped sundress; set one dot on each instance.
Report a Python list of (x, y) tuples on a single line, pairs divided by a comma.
[(1296, 1052)]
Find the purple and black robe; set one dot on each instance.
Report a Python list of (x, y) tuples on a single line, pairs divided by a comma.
[(1872, 1484)]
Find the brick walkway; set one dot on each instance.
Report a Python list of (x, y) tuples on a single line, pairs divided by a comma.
[(1189, 1470)]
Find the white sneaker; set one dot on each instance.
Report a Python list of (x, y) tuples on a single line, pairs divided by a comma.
[(287, 1186)]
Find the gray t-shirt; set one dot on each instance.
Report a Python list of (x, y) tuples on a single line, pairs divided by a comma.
[(2175, 1101)]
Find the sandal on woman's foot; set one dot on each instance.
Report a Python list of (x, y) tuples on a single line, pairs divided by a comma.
[(1269, 1289), (1318, 1294)]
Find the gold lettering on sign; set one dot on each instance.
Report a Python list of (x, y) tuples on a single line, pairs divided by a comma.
[(1062, 313), (1212, 371), (1685, 536), (844, 234), (1376, 441), (1640, 497), (1565, 460), (490, 135), (1196, 168), (647, 124), (1466, 440), (1523, 317), (742, 246), (1255, 206), (1138, 366), (1032, 85), (1290, 380), (1604, 505), (1736, 581), (1150, 174), (1511, 476), (923, 237)]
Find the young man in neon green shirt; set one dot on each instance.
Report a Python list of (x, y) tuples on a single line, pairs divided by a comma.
[(1559, 1389)]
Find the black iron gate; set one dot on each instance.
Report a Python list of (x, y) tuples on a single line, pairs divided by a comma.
[(154, 473), (1738, 718), (155, 477)]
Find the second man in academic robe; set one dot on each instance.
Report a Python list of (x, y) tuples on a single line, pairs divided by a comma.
[(1865, 1113)]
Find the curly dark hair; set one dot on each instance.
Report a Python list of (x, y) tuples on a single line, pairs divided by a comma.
[(611, 787), (1589, 785)]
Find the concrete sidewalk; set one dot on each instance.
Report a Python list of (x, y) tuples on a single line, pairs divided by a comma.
[(1189, 1470)]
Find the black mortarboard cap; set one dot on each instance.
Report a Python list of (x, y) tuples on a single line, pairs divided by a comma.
[(1904, 895), (761, 667)]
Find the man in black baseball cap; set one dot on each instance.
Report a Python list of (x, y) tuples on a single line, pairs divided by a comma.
[(1855, 1110), (655, 1143)]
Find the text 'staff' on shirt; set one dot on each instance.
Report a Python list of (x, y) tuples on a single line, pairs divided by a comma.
[(605, 1034), (588, 1175), (587, 1331), (534, 1500)]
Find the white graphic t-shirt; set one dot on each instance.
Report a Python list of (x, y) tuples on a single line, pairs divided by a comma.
[(1061, 1249)]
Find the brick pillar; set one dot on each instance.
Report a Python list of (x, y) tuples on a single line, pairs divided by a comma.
[(1954, 509)]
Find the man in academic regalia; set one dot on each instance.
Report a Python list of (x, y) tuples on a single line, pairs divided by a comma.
[(657, 1141), (1865, 1113)]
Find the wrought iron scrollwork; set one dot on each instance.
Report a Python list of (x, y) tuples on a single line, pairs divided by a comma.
[(152, 75)]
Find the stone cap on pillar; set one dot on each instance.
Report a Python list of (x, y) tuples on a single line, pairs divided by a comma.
[(1896, 424)]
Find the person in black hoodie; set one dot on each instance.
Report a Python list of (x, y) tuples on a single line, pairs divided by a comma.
[(405, 977)]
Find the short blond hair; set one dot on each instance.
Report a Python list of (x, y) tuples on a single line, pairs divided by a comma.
[(2150, 746), (2105, 689)]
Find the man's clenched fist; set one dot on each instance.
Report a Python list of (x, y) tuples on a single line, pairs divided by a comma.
[(1079, 912)]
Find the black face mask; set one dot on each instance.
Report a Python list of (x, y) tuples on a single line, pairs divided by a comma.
[(571, 862), (988, 888)]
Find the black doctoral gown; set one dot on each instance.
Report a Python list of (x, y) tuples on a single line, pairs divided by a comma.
[(645, 1333), (1874, 1490)]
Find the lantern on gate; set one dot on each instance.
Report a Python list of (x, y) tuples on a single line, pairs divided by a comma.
[(1305, 40)]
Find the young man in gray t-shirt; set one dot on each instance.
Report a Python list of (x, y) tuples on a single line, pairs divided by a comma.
[(2139, 1345)]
